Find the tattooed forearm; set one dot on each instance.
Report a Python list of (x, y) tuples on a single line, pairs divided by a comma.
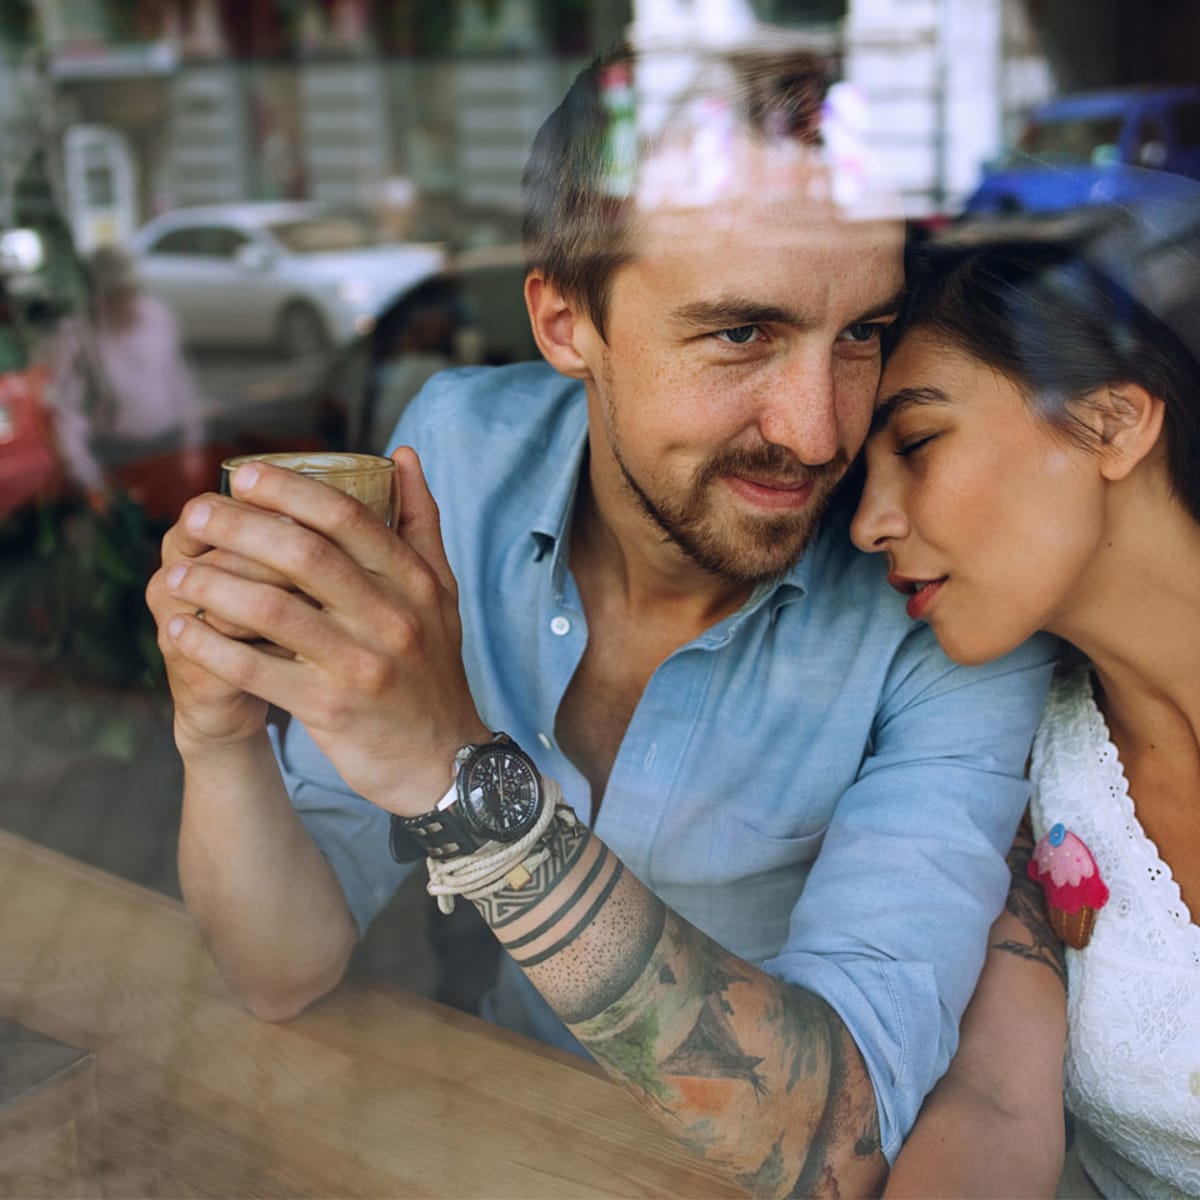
[(550, 926), (851, 1117), (1027, 904), (759, 1077)]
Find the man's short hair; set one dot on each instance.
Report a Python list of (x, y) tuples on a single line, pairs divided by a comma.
[(580, 182)]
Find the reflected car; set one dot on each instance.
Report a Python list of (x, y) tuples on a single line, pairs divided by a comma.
[(30, 470), (471, 313), (299, 278), (1079, 150)]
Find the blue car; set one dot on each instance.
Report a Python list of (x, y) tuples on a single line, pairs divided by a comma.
[(1078, 150)]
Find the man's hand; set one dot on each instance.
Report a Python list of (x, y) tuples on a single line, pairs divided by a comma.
[(366, 617), (208, 709)]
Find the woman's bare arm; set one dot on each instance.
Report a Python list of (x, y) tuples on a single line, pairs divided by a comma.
[(993, 1126)]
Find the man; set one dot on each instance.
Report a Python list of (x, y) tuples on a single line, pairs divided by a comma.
[(799, 806)]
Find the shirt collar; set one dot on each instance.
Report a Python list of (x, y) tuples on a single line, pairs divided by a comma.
[(768, 597), (550, 524)]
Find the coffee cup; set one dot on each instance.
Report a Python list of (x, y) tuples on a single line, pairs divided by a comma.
[(366, 477)]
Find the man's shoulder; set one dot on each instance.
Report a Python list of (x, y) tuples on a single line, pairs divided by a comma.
[(858, 610), (527, 403), (498, 441)]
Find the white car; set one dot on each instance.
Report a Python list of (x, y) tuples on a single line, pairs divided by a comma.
[(299, 277)]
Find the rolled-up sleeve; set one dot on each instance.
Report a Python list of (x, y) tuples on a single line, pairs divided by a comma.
[(892, 925)]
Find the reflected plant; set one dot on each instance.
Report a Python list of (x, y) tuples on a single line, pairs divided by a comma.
[(71, 590)]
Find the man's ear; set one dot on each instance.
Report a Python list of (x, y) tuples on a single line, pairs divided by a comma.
[(1129, 420), (559, 328)]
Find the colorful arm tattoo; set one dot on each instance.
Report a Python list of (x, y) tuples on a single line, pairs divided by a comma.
[(759, 1077)]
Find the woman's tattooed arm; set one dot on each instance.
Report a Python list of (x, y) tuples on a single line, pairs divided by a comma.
[(1034, 939), (759, 1077), (993, 1125)]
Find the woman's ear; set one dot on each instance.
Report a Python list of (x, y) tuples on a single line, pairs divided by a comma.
[(559, 328), (1129, 420)]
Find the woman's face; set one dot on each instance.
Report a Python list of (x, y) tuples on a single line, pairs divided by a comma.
[(988, 516)]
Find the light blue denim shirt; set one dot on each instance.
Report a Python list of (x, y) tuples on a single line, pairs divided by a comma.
[(811, 782)]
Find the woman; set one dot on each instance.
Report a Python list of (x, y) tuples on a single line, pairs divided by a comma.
[(1035, 464)]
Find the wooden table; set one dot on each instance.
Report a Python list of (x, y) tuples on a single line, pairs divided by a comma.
[(49, 1124), (373, 1092)]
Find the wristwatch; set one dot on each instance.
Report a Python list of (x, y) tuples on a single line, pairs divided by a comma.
[(496, 797)]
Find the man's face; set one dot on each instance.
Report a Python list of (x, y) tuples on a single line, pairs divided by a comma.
[(738, 372)]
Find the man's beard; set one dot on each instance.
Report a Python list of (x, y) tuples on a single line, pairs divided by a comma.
[(741, 549)]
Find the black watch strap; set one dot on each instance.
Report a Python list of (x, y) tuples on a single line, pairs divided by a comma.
[(403, 846), (438, 834)]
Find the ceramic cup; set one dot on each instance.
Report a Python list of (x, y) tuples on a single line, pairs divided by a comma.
[(366, 477)]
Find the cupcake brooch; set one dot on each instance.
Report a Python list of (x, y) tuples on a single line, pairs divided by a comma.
[(1065, 868)]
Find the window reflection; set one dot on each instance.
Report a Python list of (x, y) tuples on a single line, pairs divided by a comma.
[(225, 228), (229, 227)]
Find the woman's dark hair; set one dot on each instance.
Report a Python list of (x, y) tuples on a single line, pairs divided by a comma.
[(1062, 317)]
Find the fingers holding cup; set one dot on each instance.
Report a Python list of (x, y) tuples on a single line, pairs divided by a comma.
[(369, 478)]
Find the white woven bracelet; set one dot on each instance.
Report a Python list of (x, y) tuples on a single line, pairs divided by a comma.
[(489, 869)]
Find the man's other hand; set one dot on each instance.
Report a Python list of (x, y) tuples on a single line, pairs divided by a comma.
[(366, 618)]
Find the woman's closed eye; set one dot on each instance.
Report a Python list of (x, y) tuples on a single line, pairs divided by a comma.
[(909, 446)]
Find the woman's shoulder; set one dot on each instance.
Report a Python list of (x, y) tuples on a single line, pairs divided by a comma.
[(1070, 706), (1072, 755)]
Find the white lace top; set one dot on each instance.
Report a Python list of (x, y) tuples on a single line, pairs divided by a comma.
[(1133, 1045)]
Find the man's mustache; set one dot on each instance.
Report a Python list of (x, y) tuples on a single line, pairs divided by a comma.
[(773, 463)]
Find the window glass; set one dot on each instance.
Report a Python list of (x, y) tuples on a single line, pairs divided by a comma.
[(1150, 129), (1073, 140), (178, 241), (98, 184), (220, 241), (1186, 120), (1150, 149)]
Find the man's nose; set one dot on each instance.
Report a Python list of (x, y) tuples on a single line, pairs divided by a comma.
[(801, 413), (879, 519)]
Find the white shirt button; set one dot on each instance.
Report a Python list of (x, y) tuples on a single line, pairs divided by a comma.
[(1194, 1083), (545, 740), (560, 626)]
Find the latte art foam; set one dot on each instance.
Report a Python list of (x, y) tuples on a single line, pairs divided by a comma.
[(366, 477)]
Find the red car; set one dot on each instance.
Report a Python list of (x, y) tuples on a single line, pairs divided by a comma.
[(29, 466)]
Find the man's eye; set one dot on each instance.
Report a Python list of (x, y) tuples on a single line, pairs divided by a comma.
[(739, 335), (862, 331)]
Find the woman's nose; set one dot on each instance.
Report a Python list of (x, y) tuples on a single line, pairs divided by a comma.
[(879, 518)]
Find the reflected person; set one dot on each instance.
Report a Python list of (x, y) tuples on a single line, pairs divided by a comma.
[(121, 389)]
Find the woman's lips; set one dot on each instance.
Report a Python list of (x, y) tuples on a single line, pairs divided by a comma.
[(920, 593), (774, 494)]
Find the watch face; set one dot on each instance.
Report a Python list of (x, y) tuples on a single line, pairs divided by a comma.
[(499, 792)]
